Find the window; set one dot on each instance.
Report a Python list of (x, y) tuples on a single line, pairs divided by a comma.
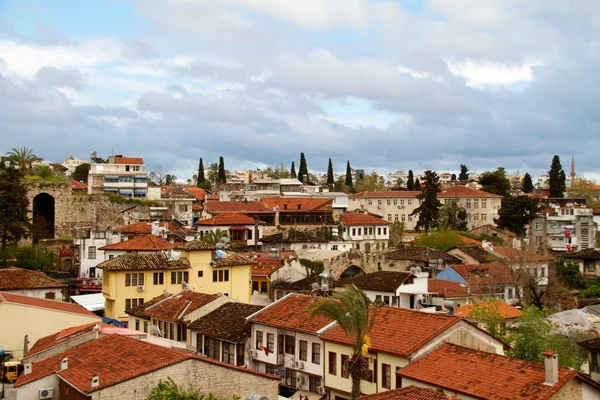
[(249, 234), (398, 378), (371, 373), (395, 202), (385, 231), (50, 295), (403, 217), (475, 217), (538, 226), (259, 340), (137, 324), (127, 304), (483, 217), (379, 231), (100, 235), (228, 353), (313, 383), (303, 350), (159, 278), (215, 275), (127, 279), (595, 367), (386, 300), (402, 202), (290, 345), (263, 285), (271, 369), (136, 279), (200, 274), (146, 326), (290, 377), (332, 363), (379, 202), (409, 218), (370, 202), (226, 277), (181, 332), (212, 348), (483, 203), (389, 202), (353, 231), (177, 277), (316, 353), (334, 247), (395, 217), (386, 376), (280, 344), (510, 293), (271, 342), (476, 203), (468, 203), (390, 217), (92, 252), (183, 208), (345, 361), (409, 202)]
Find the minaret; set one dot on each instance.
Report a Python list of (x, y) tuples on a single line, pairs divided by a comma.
[(572, 170)]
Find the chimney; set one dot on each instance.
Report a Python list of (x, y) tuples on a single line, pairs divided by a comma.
[(551, 367), (27, 368), (95, 381), (450, 306), (64, 364)]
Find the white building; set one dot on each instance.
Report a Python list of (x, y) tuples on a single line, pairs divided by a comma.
[(125, 176), (73, 162), (365, 232), (241, 229), (90, 243)]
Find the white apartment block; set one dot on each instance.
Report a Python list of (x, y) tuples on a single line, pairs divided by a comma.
[(125, 176)]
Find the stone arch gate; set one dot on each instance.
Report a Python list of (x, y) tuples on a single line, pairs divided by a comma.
[(367, 262)]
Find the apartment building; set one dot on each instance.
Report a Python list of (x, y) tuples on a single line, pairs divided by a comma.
[(125, 176)]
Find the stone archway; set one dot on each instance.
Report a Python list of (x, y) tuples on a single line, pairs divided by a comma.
[(43, 217), (351, 271)]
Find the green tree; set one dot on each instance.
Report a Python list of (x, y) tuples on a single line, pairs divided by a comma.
[(303, 170), (23, 158), (338, 186), (452, 217), (214, 237), (410, 183), (293, 171), (569, 275), (14, 217), (221, 174), (369, 183), (201, 178), (355, 315), (464, 173), (557, 179), (396, 233), (35, 258), (417, 184), (80, 174), (43, 171), (169, 390), (527, 183), (428, 211), (330, 179), (487, 315), (453, 177), (348, 175), (170, 179), (463, 224), (213, 173), (495, 182), (516, 213), (281, 171), (532, 336)]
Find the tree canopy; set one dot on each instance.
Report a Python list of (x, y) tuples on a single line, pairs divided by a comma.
[(369, 183), (516, 213), (23, 158), (14, 222), (452, 217), (495, 182), (557, 178), (464, 173), (293, 171), (201, 178), (527, 183), (428, 211), (80, 174)]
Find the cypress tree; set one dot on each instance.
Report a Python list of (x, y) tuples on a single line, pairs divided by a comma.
[(557, 178), (330, 181), (527, 183), (429, 209), (417, 185), (201, 178), (410, 183), (348, 175), (303, 170), (464, 173), (453, 177), (221, 176), (293, 171)]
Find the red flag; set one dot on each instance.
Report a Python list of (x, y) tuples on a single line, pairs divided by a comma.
[(266, 350)]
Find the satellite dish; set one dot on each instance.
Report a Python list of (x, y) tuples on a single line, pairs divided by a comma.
[(220, 245), (413, 270), (418, 270), (166, 293), (185, 284), (315, 287), (156, 331)]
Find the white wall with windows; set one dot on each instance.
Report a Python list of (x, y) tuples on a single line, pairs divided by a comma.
[(90, 254)]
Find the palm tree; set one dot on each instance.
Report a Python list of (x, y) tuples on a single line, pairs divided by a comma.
[(23, 157), (214, 237), (213, 173), (355, 314)]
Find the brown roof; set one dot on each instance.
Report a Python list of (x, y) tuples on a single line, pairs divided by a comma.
[(129, 160), (245, 207), (384, 281), (266, 267), (462, 191), (43, 303), (591, 344), (227, 219), (137, 262), (291, 312), (139, 228), (417, 253), (513, 254), (14, 278), (306, 204), (142, 243), (495, 228), (140, 310), (231, 259), (135, 358), (476, 252), (76, 185), (304, 285), (227, 322), (388, 193), (484, 375), (478, 276), (446, 289), (399, 331), (409, 393), (351, 219), (195, 245), (295, 236), (198, 193), (177, 306), (589, 254)]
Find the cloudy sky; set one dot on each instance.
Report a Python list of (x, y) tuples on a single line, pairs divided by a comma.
[(389, 85)]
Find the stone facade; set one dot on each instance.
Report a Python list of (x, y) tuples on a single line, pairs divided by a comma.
[(368, 262)]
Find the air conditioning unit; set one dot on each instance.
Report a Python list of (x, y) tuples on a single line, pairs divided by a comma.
[(300, 381), (46, 393), (379, 207), (321, 390), (253, 353), (141, 288), (400, 206), (299, 365)]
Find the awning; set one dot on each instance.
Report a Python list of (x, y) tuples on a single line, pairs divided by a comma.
[(110, 190), (140, 177), (140, 191), (238, 228), (126, 191), (91, 302), (111, 176)]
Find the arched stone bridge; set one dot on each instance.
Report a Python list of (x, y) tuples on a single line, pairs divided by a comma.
[(352, 262)]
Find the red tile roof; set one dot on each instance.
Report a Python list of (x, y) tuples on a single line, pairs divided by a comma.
[(495, 228), (129, 160), (468, 240), (98, 357), (227, 219), (388, 193), (306, 204), (462, 191), (230, 259), (446, 289), (513, 254), (14, 278), (291, 312), (142, 243), (198, 193), (138, 228), (246, 207), (195, 245), (177, 306), (409, 393), (140, 262), (266, 267), (351, 219), (484, 375), (504, 310), (482, 277), (43, 303), (76, 185), (399, 331)]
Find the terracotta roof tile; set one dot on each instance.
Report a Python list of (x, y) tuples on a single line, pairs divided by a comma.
[(592, 344), (468, 240), (140, 310), (513, 254), (495, 228), (409, 393), (227, 322), (417, 253), (76, 185), (227, 219), (266, 267), (399, 331), (306, 204), (484, 375), (177, 306), (589, 254), (129, 160), (478, 253), (462, 191), (482, 277), (304, 285), (503, 309), (138, 262), (351, 219), (230, 259), (43, 303), (14, 278), (195, 245), (244, 207), (291, 312), (138, 228), (384, 281), (141, 243), (446, 289), (198, 193)]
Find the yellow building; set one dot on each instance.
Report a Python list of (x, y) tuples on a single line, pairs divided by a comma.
[(132, 279), (25, 319)]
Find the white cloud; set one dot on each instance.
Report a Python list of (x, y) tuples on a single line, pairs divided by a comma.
[(479, 74), (418, 74)]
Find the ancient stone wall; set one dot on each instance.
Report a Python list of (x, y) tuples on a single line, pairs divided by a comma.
[(371, 262)]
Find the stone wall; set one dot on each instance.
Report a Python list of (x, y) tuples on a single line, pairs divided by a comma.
[(371, 262)]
